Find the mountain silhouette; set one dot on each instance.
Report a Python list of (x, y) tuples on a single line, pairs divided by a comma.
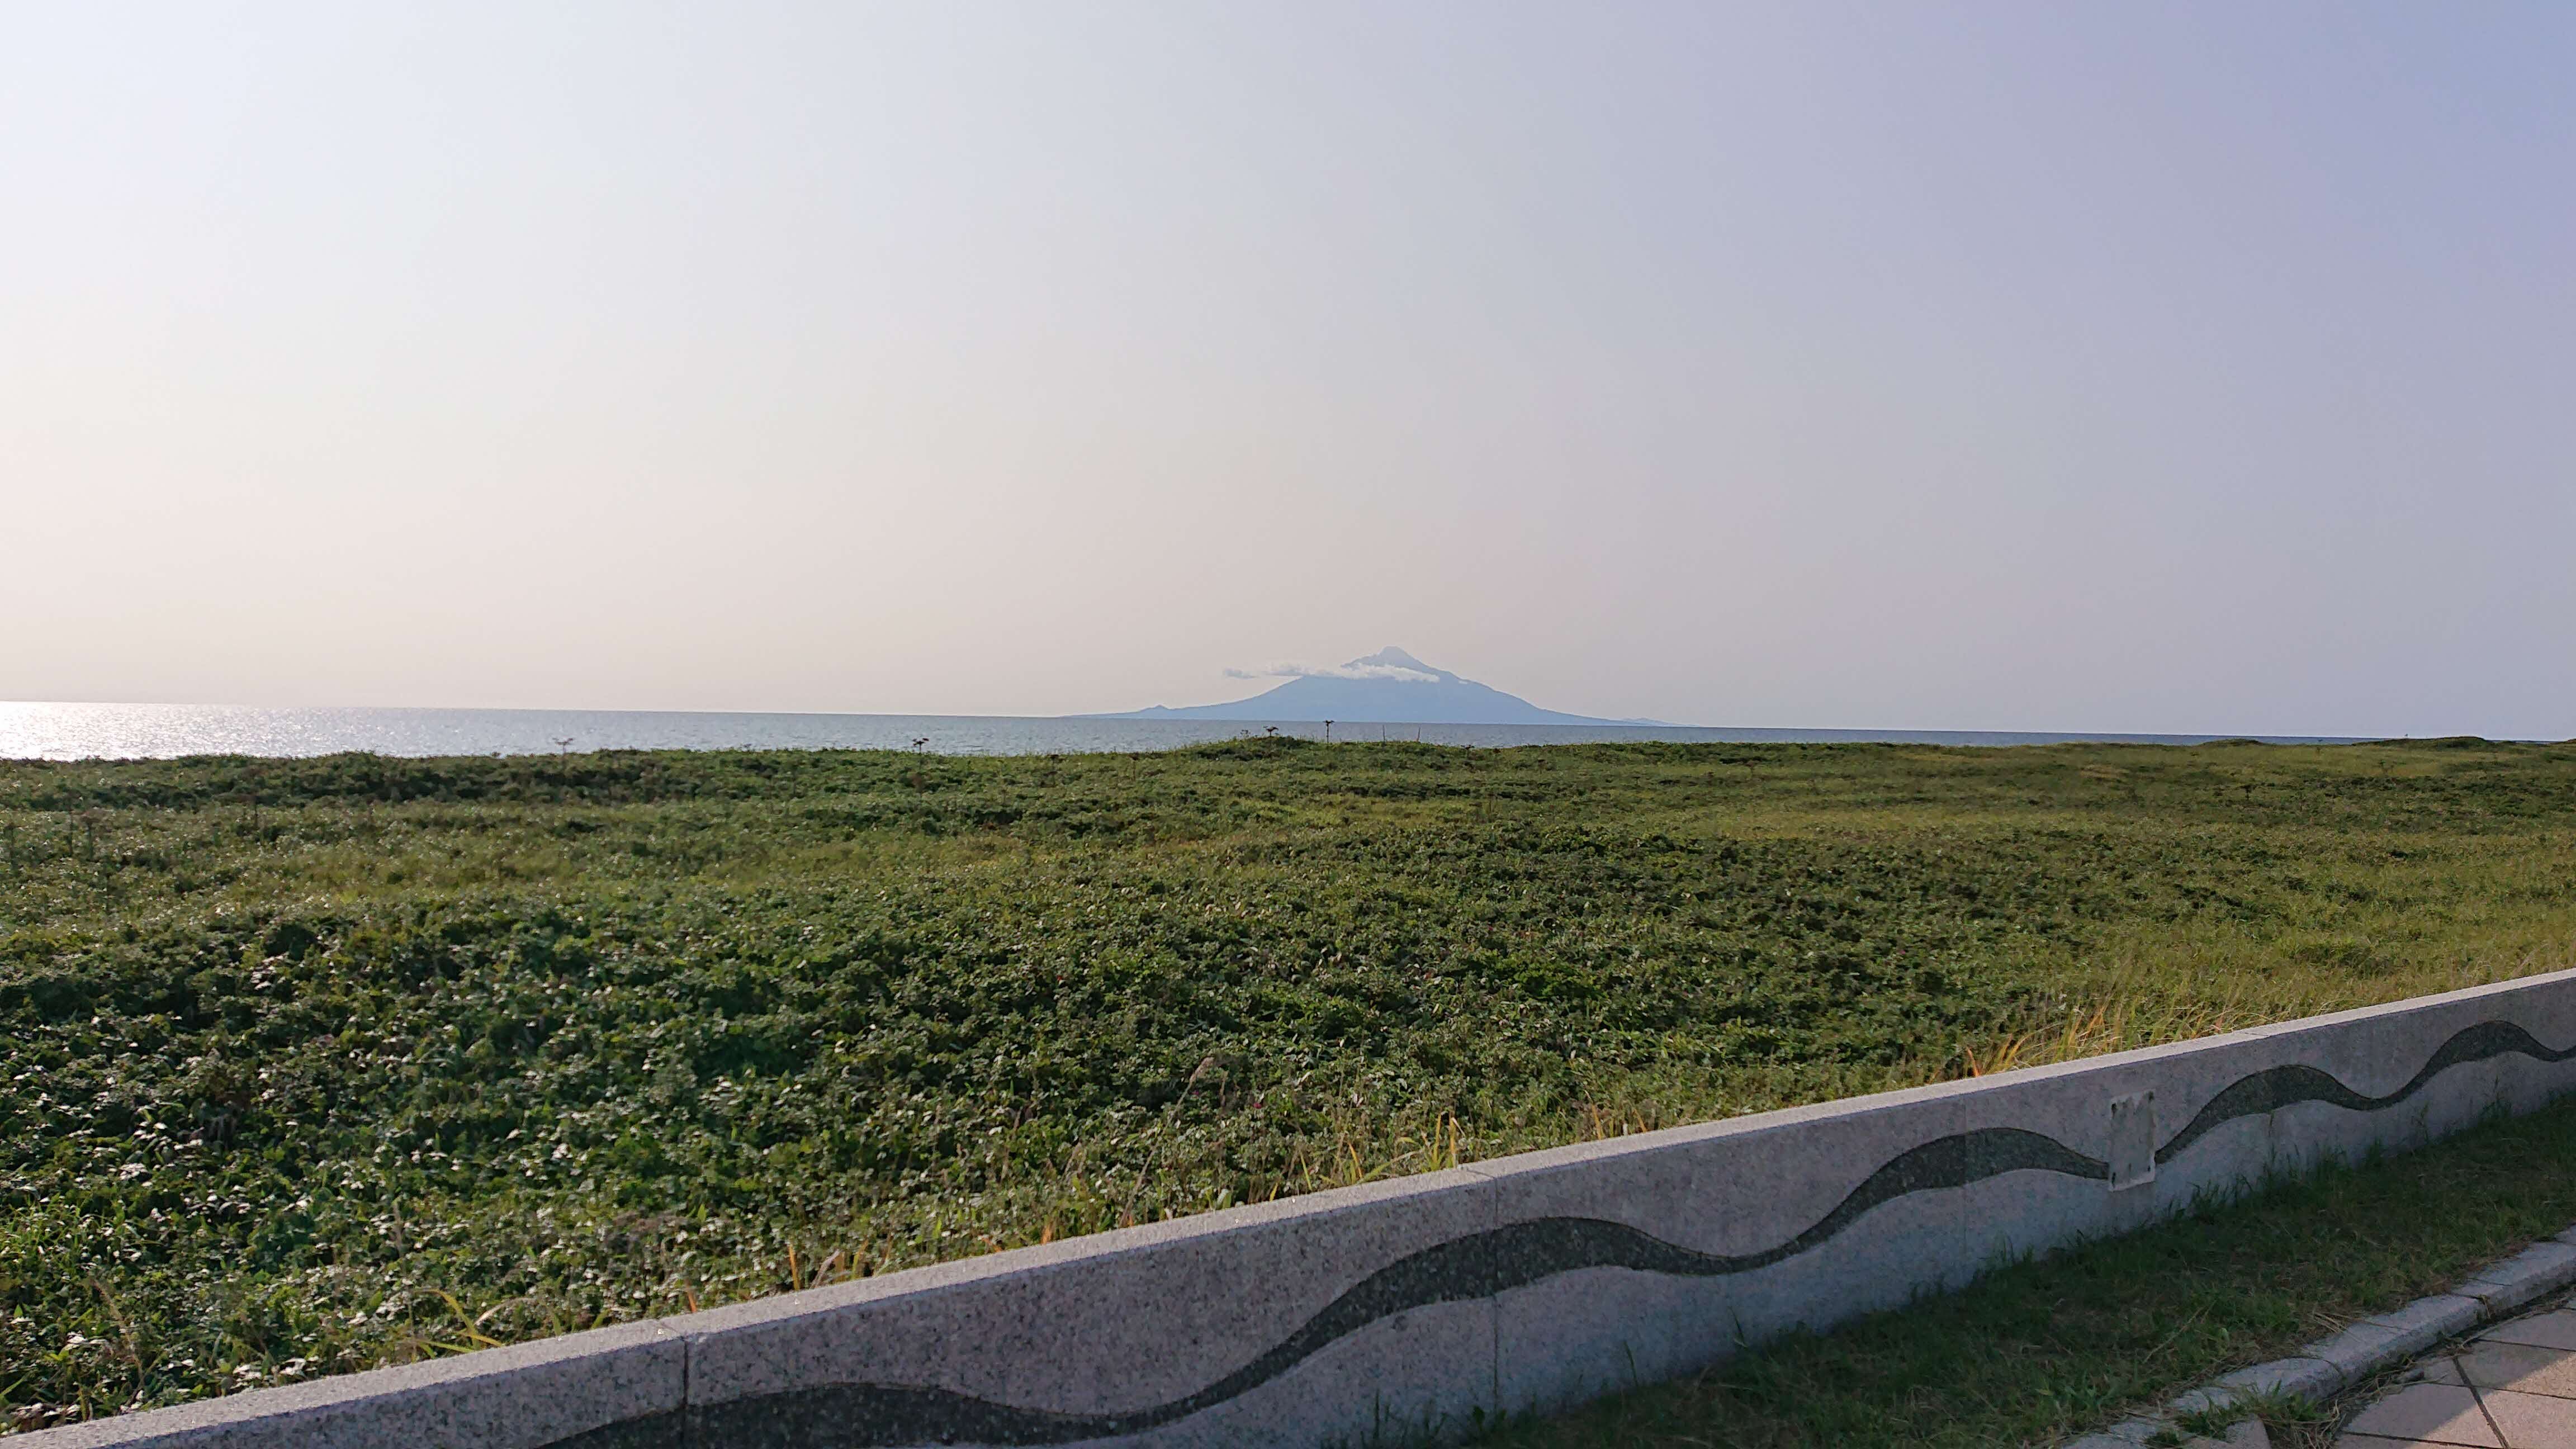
[(1388, 687)]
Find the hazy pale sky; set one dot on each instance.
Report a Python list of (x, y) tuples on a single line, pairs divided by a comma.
[(2176, 367)]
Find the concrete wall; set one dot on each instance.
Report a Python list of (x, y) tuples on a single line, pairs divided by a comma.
[(1532, 1281)]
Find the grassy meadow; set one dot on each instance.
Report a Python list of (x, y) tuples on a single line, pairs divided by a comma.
[(308, 1066)]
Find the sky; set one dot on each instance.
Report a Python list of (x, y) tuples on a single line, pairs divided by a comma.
[(2190, 368)]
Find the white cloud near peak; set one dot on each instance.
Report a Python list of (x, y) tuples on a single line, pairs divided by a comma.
[(1336, 671)]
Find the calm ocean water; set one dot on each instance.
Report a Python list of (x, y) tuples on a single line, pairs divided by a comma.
[(164, 731)]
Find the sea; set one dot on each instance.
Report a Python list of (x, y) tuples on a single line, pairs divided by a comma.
[(42, 731)]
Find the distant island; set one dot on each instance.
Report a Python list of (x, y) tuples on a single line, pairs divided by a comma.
[(1388, 687)]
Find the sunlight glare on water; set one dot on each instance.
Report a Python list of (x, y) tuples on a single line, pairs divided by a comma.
[(166, 731)]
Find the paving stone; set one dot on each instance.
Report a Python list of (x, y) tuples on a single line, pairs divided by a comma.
[(2432, 1413), (2307, 1378), (2361, 1350), (2539, 1269), (2374, 1441), (2442, 1370), (2521, 1366), (2533, 1421), (2541, 1330), (2426, 1321)]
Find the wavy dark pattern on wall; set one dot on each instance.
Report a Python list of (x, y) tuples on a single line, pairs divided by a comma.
[(2277, 1087), (1481, 1265)]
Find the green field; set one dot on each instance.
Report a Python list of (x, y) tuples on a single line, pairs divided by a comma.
[(307, 1066)]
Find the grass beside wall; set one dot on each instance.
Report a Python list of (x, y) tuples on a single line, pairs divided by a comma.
[(307, 1066), (2063, 1346)]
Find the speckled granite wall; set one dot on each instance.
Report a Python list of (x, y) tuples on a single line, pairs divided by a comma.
[(1410, 1309)]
